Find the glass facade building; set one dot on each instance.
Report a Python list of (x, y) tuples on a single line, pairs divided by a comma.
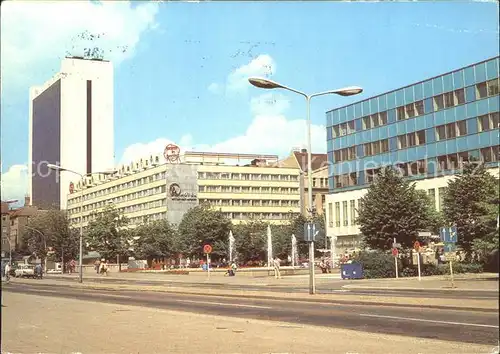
[(426, 129)]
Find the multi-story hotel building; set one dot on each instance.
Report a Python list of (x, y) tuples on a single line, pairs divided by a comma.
[(242, 186), (426, 129), (71, 125)]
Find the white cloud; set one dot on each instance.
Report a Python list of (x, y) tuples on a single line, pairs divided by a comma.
[(263, 65), (15, 183), (270, 132), (37, 35), (214, 88)]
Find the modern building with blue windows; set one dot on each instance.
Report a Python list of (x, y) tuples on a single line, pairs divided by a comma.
[(427, 130)]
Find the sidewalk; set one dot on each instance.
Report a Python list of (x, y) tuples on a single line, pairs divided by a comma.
[(42, 325), (486, 282), (199, 277)]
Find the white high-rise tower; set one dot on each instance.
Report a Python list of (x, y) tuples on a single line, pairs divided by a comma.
[(71, 125)]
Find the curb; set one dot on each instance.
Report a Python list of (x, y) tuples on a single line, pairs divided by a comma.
[(395, 288)]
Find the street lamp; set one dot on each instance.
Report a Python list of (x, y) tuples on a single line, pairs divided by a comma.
[(346, 91), (82, 180), (44, 242)]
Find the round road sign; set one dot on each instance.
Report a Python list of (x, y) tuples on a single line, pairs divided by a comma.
[(395, 252), (416, 245), (207, 249)]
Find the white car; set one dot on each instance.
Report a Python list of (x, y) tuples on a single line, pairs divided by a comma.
[(25, 271)]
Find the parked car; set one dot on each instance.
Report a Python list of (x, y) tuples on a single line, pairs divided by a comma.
[(25, 271)]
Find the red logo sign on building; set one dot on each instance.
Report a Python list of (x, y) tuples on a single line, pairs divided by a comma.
[(71, 187), (172, 153)]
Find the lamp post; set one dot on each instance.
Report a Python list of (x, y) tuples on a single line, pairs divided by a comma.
[(82, 180), (44, 243), (346, 91)]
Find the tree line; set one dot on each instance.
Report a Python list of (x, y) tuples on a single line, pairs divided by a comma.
[(111, 234), (394, 208)]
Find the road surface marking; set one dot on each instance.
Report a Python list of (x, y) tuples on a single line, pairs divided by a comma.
[(93, 294), (225, 304), (431, 321)]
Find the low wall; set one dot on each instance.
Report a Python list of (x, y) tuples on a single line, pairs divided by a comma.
[(250, 272)]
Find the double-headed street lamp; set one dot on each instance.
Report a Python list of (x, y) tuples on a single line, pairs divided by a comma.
[(346, 91), (82, 181)]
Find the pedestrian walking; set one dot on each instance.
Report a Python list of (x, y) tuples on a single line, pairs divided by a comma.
[(38, 271), (276, 266), (7, 272)]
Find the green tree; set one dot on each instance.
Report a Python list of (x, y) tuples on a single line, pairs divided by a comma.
[(204, 225), (251, 240), (466, 204), (392, 208), (155, 240), (51, 228), (106, 233)]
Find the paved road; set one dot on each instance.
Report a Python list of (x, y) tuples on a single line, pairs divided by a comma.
[(480, 327), (323, 286)]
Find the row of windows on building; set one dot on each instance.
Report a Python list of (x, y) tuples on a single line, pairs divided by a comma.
[(216, 202), (119, 187), (349, 213), (444, 163), (162, 189), (251, 203), (201, 175), (124, 198), (249, 190), (443, 132), (350, 209), (248, 176), (419, 108), (257, 216), (128, 209)]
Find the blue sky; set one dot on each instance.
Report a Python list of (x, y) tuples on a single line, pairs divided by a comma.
[(183, 76)]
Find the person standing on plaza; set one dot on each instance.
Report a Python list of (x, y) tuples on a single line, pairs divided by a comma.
[(276, 266), (7, 272)]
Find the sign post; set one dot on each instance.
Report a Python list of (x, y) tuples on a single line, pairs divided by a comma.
[(207, 249), (416, 246), (311, 231), (451, 274), (449, 236), (395, 257)]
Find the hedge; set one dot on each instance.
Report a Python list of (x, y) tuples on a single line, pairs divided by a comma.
[(377, 264)]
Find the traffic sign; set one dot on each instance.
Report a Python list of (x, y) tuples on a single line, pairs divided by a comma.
[(395, 252), (449, 247), (416, 245), (396, 245), (207, 249), (311, 231), (448, 234)]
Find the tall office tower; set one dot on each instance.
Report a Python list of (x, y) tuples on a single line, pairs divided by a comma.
[(71, 125)]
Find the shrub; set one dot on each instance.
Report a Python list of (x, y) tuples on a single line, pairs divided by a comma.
[(441, 269), (376, 264), (460, 268)]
